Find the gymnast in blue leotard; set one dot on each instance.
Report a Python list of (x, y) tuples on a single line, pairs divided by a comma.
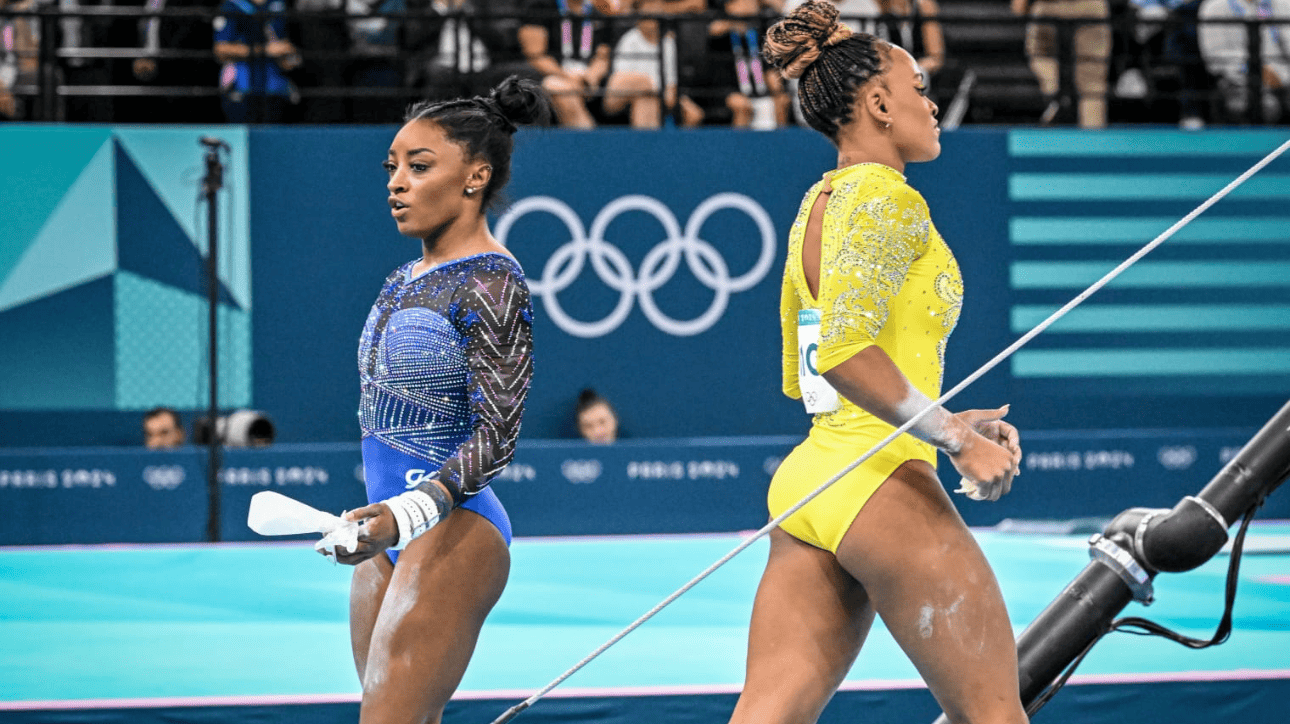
[(445, 361)]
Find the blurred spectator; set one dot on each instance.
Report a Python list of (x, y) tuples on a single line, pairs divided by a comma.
[(737, 89), (912, 25), (375, 63), (638, 76), (572, 54), (190, 33), (251, 42), (463, 49), (324, 51), (1170, 26), (597, 420), (1089, 45), (19, 44), (1225, 47), (162, 429), (687, 21)]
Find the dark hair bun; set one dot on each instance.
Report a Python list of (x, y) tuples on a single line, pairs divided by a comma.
[(795, 42), (522, 101)]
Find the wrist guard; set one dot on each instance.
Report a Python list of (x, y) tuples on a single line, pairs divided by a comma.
[(417, 511)]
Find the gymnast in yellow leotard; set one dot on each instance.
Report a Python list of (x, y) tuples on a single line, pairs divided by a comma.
[(887, 279), (871, 293)]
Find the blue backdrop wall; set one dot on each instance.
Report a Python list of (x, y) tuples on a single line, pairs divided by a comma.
[(655, 260)]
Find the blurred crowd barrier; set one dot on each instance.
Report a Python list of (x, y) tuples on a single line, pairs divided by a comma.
[(554, 488)]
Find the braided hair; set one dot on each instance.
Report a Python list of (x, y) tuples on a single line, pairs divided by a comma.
[(832, 61), (485, 127)]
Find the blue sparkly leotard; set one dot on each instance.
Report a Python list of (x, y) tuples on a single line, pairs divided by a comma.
[(445, 362)]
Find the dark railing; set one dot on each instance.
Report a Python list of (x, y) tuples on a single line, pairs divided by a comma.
[(986, 78)]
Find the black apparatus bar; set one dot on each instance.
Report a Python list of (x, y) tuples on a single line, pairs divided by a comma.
[(211, 184), (1139, 543)]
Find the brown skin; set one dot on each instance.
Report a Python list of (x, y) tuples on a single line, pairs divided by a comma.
[(908, 556), (413, 627)]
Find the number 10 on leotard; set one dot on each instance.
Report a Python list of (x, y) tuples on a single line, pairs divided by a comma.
[(817, 394)]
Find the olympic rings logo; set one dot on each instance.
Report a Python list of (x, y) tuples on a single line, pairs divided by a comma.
[(660, 263)]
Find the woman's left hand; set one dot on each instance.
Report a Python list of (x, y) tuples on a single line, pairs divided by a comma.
[(378, 531), (990, 425)]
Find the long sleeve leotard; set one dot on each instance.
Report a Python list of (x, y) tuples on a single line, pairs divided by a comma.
[(886, 279), (445, 361)]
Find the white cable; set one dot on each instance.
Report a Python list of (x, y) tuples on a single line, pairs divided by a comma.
[(515, 710)]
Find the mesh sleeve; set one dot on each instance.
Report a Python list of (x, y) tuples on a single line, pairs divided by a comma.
[(494, 313)]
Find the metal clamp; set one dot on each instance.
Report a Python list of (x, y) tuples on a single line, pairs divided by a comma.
[(1213, 512), (1105, 551)]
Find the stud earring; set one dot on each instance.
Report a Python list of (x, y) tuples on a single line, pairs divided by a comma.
[(469, 191)]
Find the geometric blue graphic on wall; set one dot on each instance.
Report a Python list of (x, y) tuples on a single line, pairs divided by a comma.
[(1208, 312), (120, 206)]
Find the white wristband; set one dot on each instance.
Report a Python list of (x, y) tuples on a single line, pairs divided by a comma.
[(416, 513)]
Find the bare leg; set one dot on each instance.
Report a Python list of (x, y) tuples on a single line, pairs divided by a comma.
[(626, 88), (809, 620), (570, 106), (429, 619), (366, 591), (691, 115), (741, 110), (930, 582)]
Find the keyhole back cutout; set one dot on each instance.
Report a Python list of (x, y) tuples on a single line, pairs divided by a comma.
[(811, 241)]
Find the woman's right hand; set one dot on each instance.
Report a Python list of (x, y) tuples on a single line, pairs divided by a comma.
[(378, 530), (987, 468)]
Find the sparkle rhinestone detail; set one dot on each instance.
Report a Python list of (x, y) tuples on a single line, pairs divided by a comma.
[(445, 361)]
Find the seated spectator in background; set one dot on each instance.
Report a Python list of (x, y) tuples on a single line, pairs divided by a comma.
[(638, 77), (737, 89), (571, 53), (252, 45), (912, 25), (19, 47), (1224, 48), (1090, 47), (162, 429), (461, 51), (597, 421)]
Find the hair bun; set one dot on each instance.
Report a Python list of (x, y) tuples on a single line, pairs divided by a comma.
[(795, 42), (521, 101)]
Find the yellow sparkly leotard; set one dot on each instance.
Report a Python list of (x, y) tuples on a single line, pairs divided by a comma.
[(886, 278)]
